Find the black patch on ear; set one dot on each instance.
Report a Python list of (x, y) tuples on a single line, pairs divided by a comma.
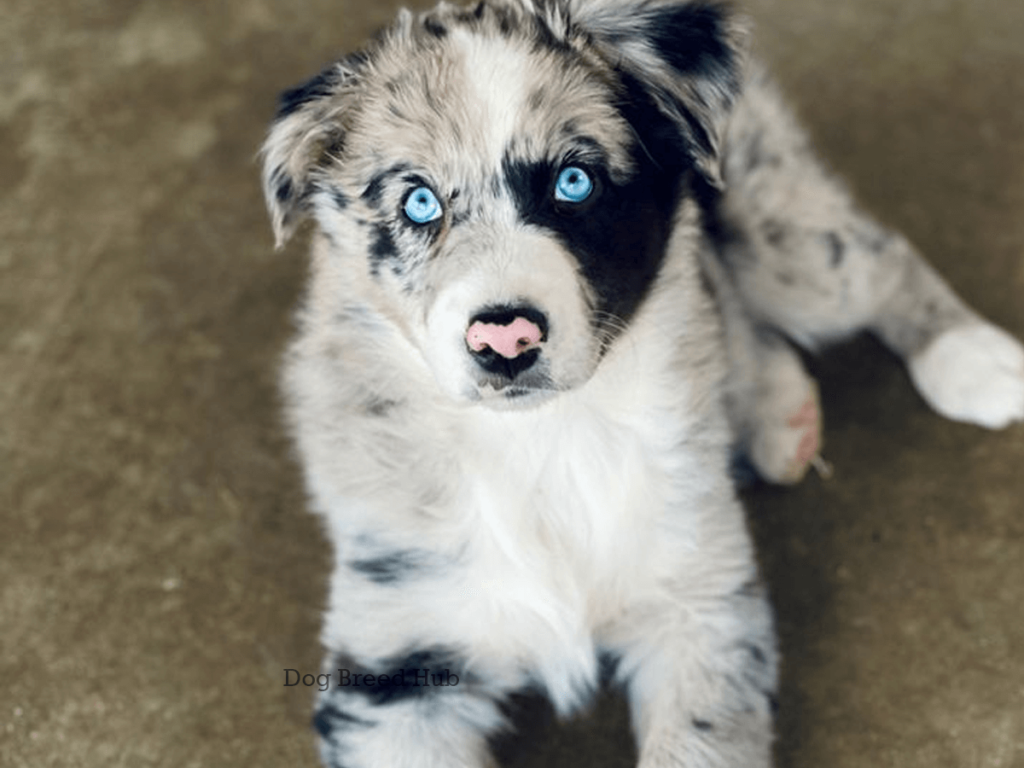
[(658, 137), (315, 88), (693, 39)]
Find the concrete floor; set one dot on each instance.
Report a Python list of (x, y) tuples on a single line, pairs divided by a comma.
[(157, 570)]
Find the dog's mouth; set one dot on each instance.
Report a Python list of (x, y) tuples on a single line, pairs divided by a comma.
[(521, 390)]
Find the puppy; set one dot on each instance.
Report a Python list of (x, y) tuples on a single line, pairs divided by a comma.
[(562, 251)]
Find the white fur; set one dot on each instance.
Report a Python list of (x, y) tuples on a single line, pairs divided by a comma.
[(973, 373)]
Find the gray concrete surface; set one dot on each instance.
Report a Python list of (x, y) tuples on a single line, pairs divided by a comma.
[(157, 570)]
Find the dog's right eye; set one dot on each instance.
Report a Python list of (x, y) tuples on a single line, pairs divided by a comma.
[(422, 206)]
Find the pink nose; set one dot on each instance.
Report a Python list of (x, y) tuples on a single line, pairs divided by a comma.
[(509, 341)]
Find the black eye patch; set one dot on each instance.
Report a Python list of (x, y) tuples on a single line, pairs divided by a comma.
[(618, 233)]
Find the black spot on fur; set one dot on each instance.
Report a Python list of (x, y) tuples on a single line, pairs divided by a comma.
[(570, 128), (471, 17), (390, 568), (315, 88), (702, 725), (435, 28), (283, 188), (379, 406), (382, 247), (417, 674), (373, 194), (544, 38), (607, 666), (741, 471), (374, 191), (530, 713), (720, 231), (837, 249), (536, 99), (340, 199), (774, 232), (758, 654), (328, 718)]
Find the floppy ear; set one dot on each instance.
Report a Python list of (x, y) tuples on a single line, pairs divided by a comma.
[(308, 128), (688, 55)]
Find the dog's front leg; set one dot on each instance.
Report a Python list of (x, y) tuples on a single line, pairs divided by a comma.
[(418, 714), (702, 681)]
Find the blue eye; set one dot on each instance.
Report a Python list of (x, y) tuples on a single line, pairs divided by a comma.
[(422, 206), (573, 185)]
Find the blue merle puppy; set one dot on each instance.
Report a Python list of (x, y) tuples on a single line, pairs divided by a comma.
[(563, 250)]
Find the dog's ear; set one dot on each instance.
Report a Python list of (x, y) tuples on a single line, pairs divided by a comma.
[(309, 127), (687, 54)]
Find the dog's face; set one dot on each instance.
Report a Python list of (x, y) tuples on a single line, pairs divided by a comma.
[(507, 176)]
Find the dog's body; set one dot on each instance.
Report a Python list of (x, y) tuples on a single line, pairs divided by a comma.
[(558, 259)]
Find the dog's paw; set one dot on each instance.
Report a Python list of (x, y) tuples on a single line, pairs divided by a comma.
[(973, 374), (783, 449)]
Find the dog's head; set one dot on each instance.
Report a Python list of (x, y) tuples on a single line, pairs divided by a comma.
[(503, 179)]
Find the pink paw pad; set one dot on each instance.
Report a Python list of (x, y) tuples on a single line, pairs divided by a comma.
[(810, 443)]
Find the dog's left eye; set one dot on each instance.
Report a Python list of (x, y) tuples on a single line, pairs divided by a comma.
[(422, 206), (573, 185)]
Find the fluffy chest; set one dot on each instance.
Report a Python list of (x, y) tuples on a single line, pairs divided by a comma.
[(564, 498)]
